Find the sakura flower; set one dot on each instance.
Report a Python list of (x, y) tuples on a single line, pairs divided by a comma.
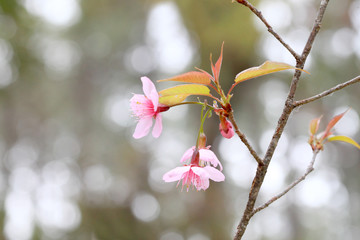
[(205, 156), (226, 128), (199, 171), (146, 107), (194, 175)]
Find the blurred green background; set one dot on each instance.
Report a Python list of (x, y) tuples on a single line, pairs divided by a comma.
[(70, 168)]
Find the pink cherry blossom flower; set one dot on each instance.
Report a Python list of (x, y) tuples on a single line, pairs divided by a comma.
[(226, 128), (199, 171), (205, 156), (146, 107), (194, 175)]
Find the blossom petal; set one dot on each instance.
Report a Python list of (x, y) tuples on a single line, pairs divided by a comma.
[(201, 172), (148, 86), (154, 96), (136, 99), (205, 183), (209, 156), (188, 154), (150, 91), (157, 127), (138, 103), (202, 181), (175, 174), (202, 184), (143, 127), (214, 174)]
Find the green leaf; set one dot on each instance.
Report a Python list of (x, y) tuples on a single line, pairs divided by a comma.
[(190, 77), (186, 89), (266, 68), (344, 139), (172, 100)]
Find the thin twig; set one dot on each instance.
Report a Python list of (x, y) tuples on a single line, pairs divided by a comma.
[(269, 28), (244, 140), (315, 29), (308, 46), (309, 169), (327, 92)]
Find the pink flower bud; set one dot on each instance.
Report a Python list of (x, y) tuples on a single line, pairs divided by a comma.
[(226, 128)]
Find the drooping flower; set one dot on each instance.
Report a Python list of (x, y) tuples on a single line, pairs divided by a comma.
[(205, 156), (194, 175), (199, 171), (226, 128), (146, 107)]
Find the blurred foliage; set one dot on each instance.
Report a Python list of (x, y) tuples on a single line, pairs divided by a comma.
[(64, 121)]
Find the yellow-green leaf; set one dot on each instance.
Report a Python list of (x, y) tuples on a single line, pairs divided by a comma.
[(186, 89), (314, 125), (344, 139), (190, 77), (266, 68), (172, 100)]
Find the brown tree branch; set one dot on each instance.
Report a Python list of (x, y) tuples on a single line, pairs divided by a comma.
[(309, 169), (244, 140), (327, 92), (308, 46), (262, 169), (269, 28)]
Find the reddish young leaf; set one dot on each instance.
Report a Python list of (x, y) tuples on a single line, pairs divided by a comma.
[(190, 77), (332, 123), (205, 72), (213, 68), (217, 67)]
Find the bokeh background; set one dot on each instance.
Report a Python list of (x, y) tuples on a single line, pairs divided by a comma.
[(70, 168)]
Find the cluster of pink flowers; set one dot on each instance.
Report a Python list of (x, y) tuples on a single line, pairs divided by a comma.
[(203, 161)]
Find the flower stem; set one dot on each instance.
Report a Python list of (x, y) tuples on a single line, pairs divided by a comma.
[(201, 129), (244, 140)]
